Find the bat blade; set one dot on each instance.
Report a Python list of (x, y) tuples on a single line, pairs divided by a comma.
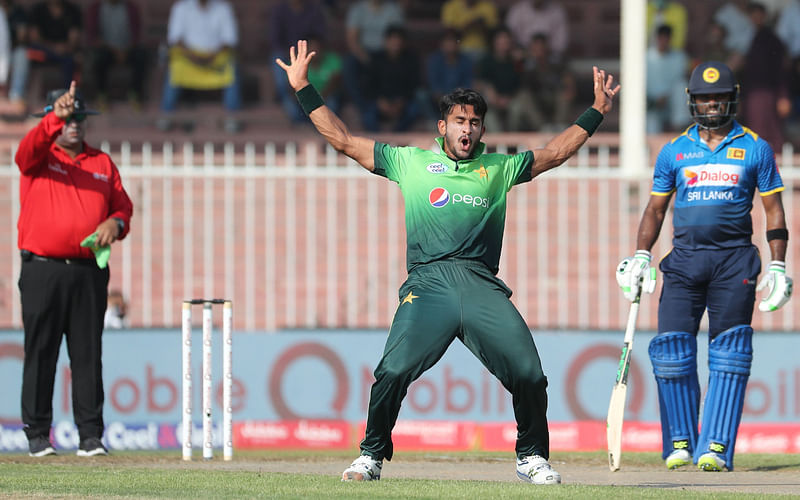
[(616, 407), (616, 414)]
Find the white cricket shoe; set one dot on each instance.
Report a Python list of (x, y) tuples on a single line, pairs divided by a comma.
[(711, 462), (364, 468), (535, 469), (678, 458)]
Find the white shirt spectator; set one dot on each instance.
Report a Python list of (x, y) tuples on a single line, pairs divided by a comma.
[(5, 47), (206, 28), (524, 20), (666, 79), (372, 21), (788, 28), (738, 25)]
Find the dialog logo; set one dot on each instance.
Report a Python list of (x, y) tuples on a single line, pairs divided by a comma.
[(439, 197), (437, 168), (713, 175)]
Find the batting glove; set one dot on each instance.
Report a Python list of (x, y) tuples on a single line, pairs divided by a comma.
[(780, 287), (634, 273)]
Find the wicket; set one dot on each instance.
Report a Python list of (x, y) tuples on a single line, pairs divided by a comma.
[(227, 377)]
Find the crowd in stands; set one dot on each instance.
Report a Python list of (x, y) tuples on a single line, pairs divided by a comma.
[(758, 40), (516, 52)]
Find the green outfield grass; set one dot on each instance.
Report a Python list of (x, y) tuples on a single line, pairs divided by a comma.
[(164, 475)]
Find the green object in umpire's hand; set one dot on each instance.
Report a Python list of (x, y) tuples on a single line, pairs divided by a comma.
[(101, 254)]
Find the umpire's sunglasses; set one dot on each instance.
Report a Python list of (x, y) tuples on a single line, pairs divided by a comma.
[(76, 117)]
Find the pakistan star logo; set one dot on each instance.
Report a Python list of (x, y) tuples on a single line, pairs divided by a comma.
[(483, 173), (409, 298)]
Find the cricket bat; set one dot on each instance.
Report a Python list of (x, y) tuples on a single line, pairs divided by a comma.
[(616, 408)]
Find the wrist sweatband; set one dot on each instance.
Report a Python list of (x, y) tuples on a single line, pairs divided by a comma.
[(777, 234), (309, 99), (589, 120)]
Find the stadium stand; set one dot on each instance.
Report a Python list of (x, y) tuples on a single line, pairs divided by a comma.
[(594, 39)]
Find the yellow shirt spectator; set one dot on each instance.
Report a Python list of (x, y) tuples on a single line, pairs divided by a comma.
[(672, 14), (473, 19)]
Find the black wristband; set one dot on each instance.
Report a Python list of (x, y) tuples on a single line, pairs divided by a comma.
[(777, 234), (309, 99), (589, 120)]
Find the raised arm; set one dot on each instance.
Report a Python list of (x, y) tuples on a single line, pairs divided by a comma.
[(326, 122), (565, 144)]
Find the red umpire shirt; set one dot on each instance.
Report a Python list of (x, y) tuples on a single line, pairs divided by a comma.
[(63, 200)]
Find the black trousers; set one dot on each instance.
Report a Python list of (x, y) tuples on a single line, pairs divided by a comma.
[(63, 299), (136, 59)]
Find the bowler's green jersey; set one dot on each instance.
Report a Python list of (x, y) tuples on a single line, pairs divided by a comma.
[(453, 209)]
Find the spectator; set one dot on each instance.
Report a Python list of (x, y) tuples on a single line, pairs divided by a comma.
[(116, 311), (765, 81), (499, 78), (113, 30), (55, 37), (290, 21), (788, 29), (18, 27), (394, 75), (69, 193), (5, 49), (714, 49), (476, 19), (667, 13), (666, 84), (447, 69), (366, 25), (202, 36), (548, 90), (529, 17), (739, 28)]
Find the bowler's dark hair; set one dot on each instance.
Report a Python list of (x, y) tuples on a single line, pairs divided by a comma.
[(463, 97)]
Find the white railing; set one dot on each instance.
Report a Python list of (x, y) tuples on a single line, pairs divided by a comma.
[(301, 237)]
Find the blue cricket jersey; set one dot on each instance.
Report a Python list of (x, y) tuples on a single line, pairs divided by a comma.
[(714, 189)]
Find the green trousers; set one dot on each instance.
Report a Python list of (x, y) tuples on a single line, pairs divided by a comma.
[(459, 299)]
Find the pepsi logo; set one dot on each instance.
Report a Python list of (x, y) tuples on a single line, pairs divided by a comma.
[(439, 197)]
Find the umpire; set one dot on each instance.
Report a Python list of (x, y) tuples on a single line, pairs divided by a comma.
[(68, 191)]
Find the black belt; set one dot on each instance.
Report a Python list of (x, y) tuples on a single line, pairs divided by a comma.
[(28, 256)]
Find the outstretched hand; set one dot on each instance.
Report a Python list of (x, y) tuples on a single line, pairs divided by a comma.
[(297, 69), (65, 105), (604, 91)]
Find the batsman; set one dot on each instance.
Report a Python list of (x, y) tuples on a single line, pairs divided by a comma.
[(455, 205), (713, 170)]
